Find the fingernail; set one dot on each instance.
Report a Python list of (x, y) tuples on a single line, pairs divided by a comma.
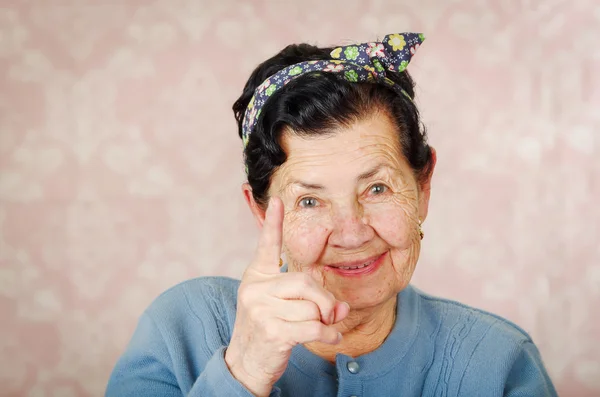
[(347, 304), (339, 337)]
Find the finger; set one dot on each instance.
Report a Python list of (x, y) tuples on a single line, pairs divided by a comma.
[(312, 331), (297, 310), (342, 309), (299, 285), (269, 243)]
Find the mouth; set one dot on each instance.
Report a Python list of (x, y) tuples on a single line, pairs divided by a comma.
[(358, 268)]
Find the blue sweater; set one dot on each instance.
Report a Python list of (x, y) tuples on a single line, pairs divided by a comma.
[(437, 347)]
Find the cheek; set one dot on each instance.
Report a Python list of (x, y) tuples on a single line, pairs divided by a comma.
[(391, 227), (394, 222), (304, 238)]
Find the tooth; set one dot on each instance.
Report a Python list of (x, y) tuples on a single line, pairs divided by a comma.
[(357, 267)]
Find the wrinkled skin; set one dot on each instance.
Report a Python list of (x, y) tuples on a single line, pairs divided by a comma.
[(347, 196), (352, 218)]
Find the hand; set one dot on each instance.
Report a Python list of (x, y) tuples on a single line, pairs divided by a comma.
[(276, 311)]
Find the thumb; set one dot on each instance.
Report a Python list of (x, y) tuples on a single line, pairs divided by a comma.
[(341, 310)]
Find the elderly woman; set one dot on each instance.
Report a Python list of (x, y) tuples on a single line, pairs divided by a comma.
[(339, 179)]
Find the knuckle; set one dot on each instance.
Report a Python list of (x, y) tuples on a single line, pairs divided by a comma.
[(249, 299), (313, 312), (327, 305), (272, 332), (330, 301), (316, 330), (245, 295)]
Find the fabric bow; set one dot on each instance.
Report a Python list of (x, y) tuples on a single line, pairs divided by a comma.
[(357, 63)]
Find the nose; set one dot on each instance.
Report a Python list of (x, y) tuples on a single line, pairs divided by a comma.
[(351, 229)]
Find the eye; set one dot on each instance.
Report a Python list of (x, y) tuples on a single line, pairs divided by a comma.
[(308, 202), (378, 189)]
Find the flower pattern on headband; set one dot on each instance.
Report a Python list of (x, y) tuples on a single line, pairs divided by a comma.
[(356, 63), (351, 53), (270, 90), (375, 50), (414, 49), (333, 68), (397, 41), (295, 71), (351, 76)]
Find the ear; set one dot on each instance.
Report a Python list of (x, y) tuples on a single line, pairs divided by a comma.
[(257, 211), (425, 189)]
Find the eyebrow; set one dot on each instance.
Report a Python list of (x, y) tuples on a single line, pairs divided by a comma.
[(371, 173), (315, 186), (308, 186)]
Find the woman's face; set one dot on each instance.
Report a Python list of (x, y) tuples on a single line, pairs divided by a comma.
[(351, 200)]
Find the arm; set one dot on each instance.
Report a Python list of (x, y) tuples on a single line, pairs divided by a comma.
[(216, 380), (146, 369), (528, 377)]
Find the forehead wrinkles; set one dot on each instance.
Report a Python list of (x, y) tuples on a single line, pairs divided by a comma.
[(342, 152), (368, 141)]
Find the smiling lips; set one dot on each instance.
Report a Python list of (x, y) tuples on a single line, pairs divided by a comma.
[(358, 267)]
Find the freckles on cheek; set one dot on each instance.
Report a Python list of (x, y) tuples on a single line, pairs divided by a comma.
[(305, 241), (390, 223)]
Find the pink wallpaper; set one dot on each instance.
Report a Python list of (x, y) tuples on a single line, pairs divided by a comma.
[(120, 165)]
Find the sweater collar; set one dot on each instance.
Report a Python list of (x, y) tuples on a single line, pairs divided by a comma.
[(381, 360)]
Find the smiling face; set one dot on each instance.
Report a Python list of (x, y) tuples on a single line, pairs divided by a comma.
[(351, 200)]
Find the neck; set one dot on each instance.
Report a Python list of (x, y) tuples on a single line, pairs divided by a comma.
[(363, 331)]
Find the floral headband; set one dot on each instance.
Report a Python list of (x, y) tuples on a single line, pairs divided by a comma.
[(366, 62)]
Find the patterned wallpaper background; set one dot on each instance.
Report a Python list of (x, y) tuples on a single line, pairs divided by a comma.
[(120, 165)]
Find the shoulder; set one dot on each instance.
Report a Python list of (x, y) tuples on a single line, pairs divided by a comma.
[(489, 354), (196, 291), (176, 337), (208, 302), (450, 313)]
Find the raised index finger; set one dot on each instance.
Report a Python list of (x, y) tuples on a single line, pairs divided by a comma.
[(269, 243)]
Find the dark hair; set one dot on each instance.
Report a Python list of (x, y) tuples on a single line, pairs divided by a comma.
[(315, 103)]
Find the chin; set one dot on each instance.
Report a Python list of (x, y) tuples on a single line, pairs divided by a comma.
[(366, 297)]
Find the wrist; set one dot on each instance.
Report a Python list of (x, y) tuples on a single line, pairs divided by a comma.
[(257, 387)]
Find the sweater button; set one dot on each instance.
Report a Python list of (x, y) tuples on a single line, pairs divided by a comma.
[(353, 367)]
